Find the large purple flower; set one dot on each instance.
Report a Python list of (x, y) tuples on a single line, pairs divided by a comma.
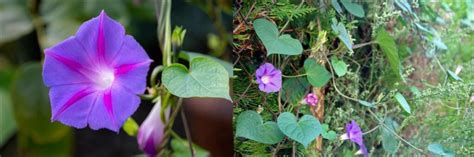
[(94, 77), (268, 78), (151, 132), (354, 134)]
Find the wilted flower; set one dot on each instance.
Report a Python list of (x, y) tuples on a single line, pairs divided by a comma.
[(311, 99), (95, 76), (268, 78), (354, 134), (151, 132)]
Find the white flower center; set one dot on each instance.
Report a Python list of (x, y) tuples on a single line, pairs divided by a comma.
[(265, 79), (105, 79)]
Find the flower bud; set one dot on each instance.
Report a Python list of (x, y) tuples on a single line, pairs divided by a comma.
[(311, 99), (151, 131)]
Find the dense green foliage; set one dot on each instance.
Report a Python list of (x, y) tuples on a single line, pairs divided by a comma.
[(397, 57)]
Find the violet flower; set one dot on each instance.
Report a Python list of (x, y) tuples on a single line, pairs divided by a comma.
[(354, 134), (311, 99), (151, 132), (95, 76), (268, 78)]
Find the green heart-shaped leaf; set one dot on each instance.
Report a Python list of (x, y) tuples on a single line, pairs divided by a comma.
[(187, 55), (275, 44), (353, 8), (303, 131), (317, 75), (250, 125), (340, 67), (328, 134), (206, 78)]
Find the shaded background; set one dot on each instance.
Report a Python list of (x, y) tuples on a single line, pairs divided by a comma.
[(28, 26)]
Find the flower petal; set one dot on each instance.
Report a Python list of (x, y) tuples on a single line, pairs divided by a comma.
[(112, 108), (130, 53), (354, 132), (102, 37), (66, 63), (70, 104), (133, 65)]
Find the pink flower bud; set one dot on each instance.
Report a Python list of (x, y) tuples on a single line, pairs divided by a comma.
[(311, 99), (151, 132)]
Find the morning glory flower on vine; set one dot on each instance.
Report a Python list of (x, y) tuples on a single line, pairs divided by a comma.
[(268, 78), (311, 99), (354, 134), (96, 75), (151, 132)]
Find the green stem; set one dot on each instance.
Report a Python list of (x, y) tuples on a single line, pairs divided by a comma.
[(300, 75), (163, 11), (188, 132), (363, 44), (154, 75), (38, 25)]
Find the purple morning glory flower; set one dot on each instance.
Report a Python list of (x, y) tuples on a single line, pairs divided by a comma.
[(268, 78), (354, 134), (151, 132), (311, 99), (94, 77)]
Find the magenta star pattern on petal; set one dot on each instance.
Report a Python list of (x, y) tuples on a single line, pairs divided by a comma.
[(268, 78), (95, 76)]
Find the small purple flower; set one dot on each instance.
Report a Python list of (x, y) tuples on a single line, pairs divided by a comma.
[(268, 78), (95, 76), (354, 134), (311, 99), (151, 132), (472, 98)]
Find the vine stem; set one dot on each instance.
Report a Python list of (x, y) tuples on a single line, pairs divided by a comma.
[(394, 133), (187, 130), (373, 114), (442, 68), (371, 130), (38, 24), (362, 45), (294, 149), (170, 122), (277, 148), (294, 76)]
